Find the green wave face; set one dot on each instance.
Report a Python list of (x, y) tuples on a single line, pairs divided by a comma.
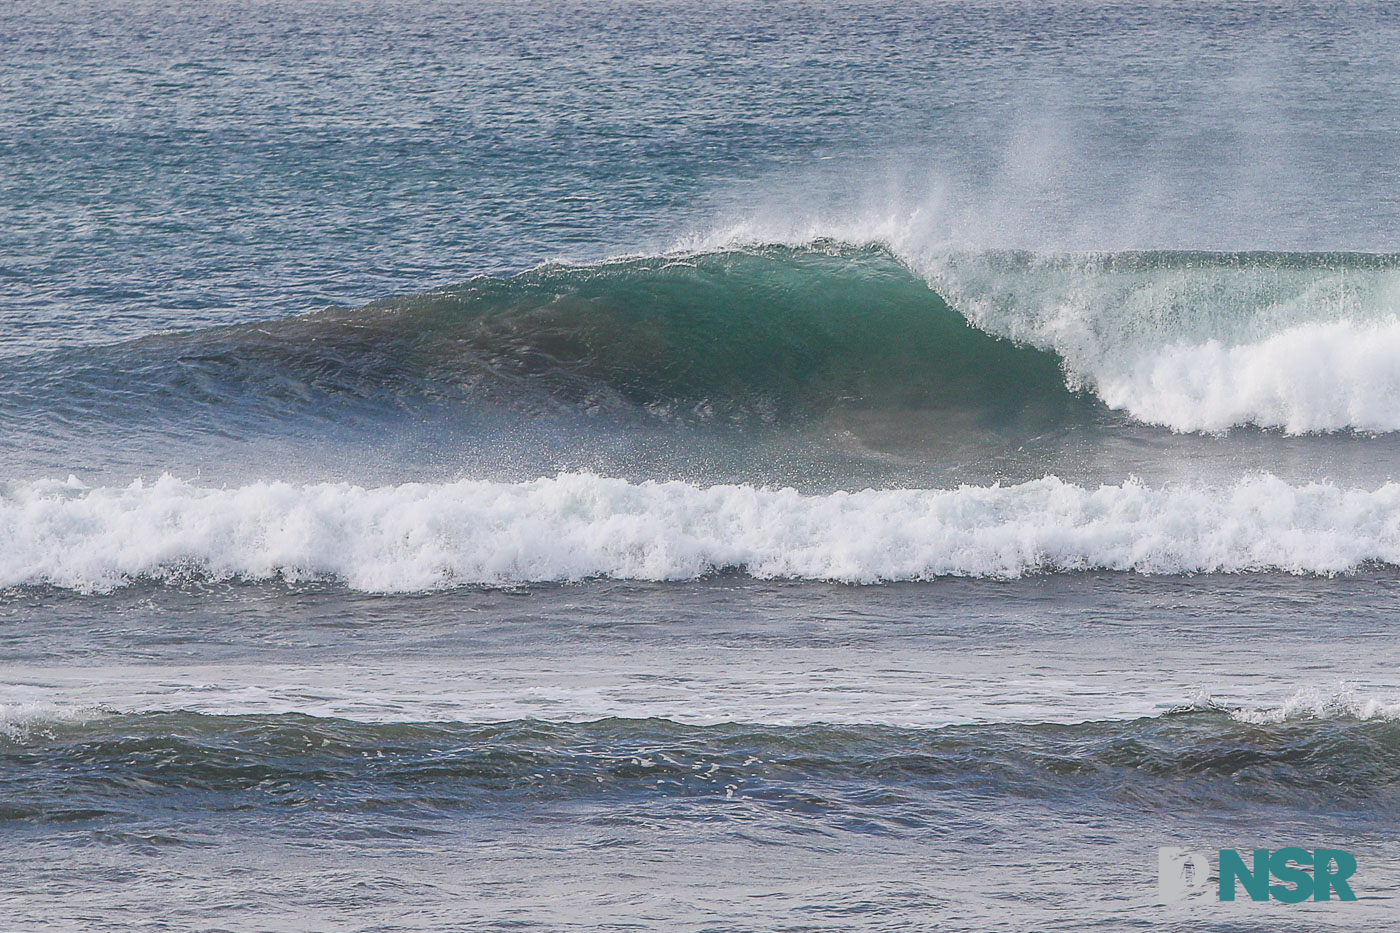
[(761, 336), (766, 334)]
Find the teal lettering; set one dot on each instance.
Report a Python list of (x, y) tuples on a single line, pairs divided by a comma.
[(1256, 883), (1324, 881), (1301, 879)]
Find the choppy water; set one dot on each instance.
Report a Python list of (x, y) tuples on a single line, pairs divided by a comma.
[(691, 466)]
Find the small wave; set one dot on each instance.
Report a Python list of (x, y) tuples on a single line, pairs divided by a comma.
[(422, 536), (1203, 760), (1314, 703), (20, 720)]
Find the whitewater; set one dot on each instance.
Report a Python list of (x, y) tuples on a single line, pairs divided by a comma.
[(577, 526)]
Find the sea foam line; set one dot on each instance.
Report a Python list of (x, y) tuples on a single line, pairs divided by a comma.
[(422, 536), (22, 721)]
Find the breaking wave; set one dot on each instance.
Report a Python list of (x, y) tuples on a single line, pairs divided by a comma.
[(422, 536), (769, 333)]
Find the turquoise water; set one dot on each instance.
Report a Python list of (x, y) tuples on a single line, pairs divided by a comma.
[(693, 467)]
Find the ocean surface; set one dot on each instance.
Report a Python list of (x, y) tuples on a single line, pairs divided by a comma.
[(683, 466)]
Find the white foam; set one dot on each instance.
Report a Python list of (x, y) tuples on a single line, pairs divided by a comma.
[(422, 536), (1201, 346), (1309, 378), (1310, 703), (19, 720)]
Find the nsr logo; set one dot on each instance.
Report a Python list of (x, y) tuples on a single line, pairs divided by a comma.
[(1181, 872)]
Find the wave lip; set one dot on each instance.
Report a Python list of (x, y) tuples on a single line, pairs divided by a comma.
[(423, 536), (19, 719), (1313, 703)]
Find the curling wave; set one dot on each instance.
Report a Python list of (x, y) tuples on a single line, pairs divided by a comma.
[(422, 536), (774, 333), (739, 336)]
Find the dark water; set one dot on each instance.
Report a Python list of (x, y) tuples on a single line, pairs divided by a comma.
[(766, 755), (695, 467)]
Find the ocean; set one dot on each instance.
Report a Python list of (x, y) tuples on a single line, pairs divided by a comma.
[(683, 466)]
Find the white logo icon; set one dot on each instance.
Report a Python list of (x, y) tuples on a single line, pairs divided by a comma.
[(1180, 872)]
